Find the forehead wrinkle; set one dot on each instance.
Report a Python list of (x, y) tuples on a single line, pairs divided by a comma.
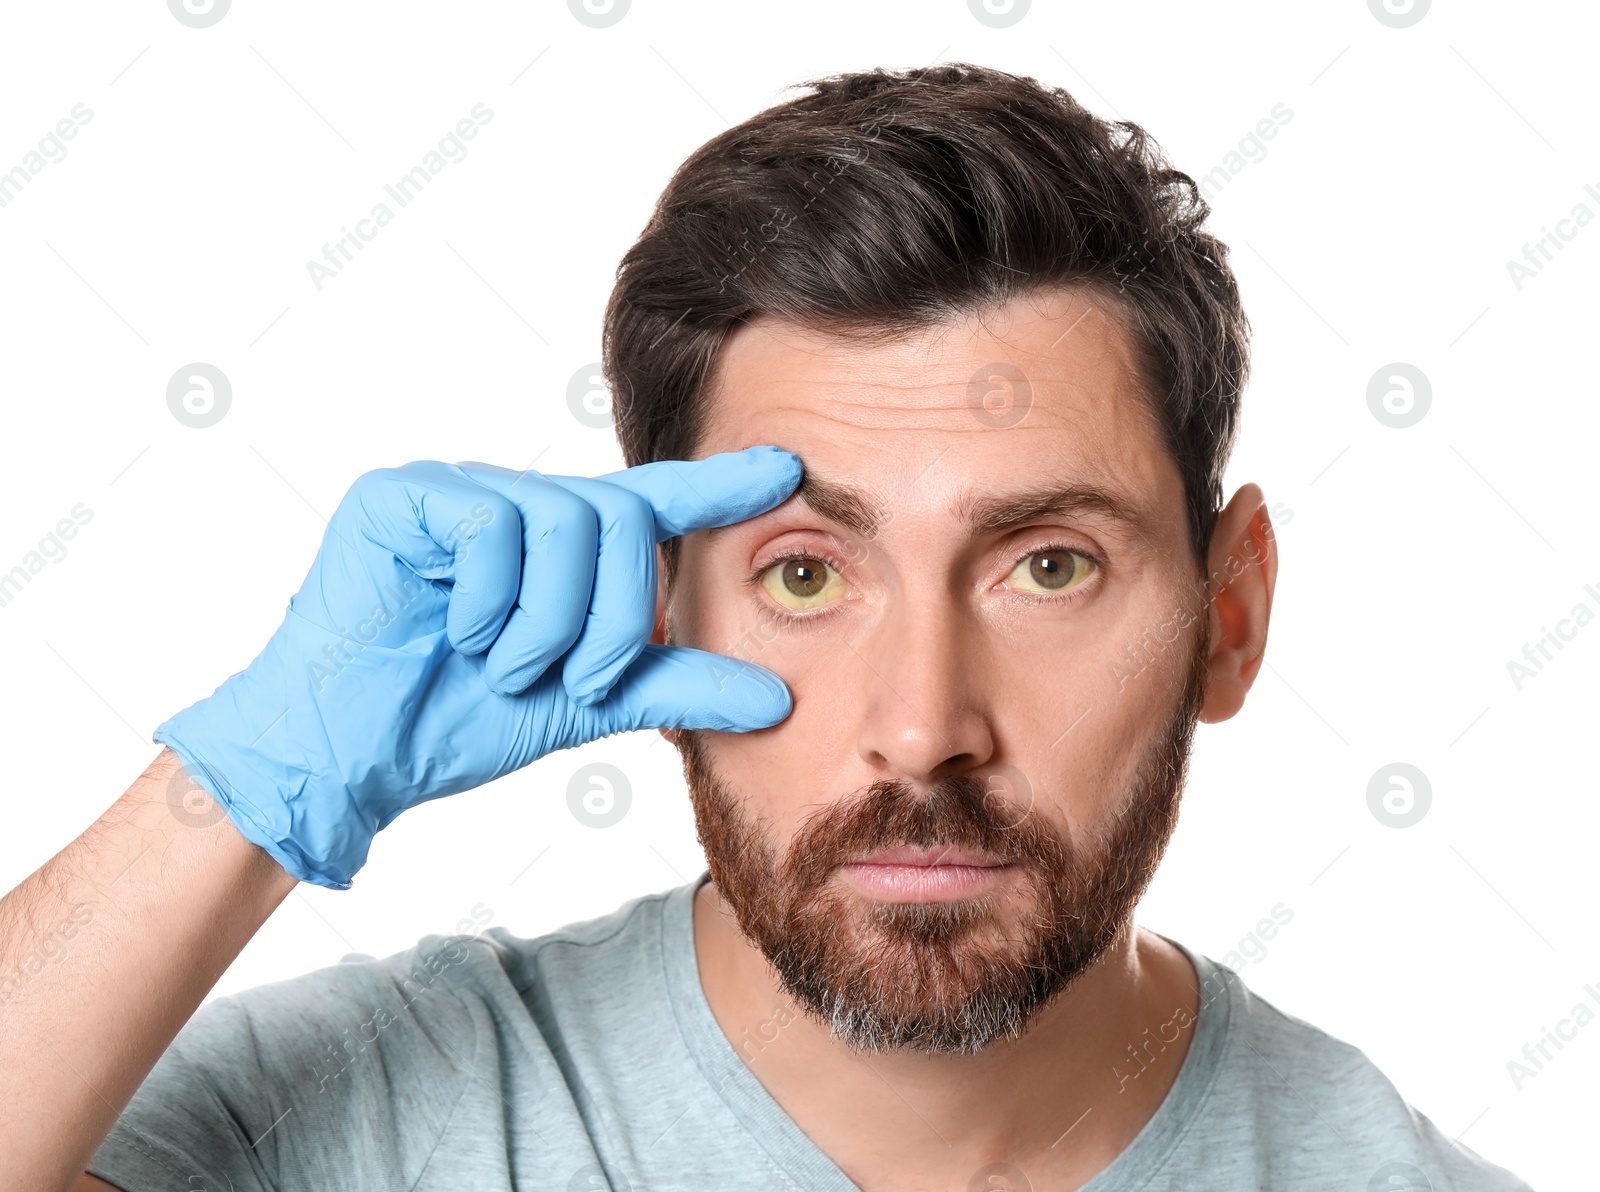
[(865, 405)]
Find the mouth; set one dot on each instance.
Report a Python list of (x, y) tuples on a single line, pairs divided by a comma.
[(910, 874)]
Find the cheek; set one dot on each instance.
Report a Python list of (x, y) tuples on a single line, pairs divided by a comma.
[(785, 773), (1079, 713), (1051, 718), (1089, 773)]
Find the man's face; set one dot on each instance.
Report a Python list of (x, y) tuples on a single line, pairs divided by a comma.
[(987, 615)]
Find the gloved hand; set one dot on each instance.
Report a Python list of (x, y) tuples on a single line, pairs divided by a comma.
[(459, 622)]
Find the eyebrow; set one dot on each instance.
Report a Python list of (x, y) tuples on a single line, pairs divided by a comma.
[(853, 509)]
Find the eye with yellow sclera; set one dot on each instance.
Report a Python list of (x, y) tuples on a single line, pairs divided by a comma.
[(803, 582), (1052, 571)]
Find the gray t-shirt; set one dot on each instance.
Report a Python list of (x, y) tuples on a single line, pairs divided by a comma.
[(589, 1059)]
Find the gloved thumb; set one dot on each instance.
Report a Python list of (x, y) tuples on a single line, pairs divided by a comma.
[(677, 687)]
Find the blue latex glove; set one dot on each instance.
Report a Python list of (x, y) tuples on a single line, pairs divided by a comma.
[(459, 622)]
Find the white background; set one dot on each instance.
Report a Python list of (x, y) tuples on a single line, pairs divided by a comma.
[(1376, 228)]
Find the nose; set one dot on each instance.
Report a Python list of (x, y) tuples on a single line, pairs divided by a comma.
[(926, 716)]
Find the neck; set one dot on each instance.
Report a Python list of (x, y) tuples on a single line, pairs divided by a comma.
[(1058, 1104)]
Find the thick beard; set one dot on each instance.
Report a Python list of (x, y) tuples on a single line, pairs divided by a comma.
[(939, 977)]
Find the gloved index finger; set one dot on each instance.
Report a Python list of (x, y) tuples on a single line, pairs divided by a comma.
[(719, 490)]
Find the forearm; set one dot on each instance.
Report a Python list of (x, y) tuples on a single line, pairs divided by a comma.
[(105, 952)]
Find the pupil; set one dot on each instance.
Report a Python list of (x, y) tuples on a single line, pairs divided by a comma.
[(801, 578), (1051, 568)]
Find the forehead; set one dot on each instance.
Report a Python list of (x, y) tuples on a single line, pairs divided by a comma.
[(1046, 387)]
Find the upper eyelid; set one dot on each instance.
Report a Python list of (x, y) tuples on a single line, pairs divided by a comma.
[(1092, 554), (771, 556)]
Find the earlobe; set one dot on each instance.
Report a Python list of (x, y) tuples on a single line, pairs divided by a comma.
[(1242, 573)]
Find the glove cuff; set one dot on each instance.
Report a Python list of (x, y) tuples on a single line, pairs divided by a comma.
[(258, 747), (255, 823)]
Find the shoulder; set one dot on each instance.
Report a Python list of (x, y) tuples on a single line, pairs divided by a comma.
[(1320, 1106), (455, 986), (373, 1064), (492, 963)]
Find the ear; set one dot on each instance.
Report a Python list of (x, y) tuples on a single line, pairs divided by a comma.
[(659, 634), (1241, 571)]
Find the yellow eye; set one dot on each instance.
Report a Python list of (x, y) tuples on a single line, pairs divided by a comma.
[(1047, 571), (803, 583)]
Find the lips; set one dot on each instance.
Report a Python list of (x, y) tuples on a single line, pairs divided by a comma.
[(910, 874)]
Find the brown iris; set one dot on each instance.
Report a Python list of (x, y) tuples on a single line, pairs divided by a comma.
[(1051, 568), (1054, 569), (804, 577)]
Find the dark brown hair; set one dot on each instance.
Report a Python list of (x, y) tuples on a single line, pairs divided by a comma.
[(883, 202)]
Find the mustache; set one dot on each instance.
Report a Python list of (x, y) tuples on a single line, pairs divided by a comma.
[(960, 811)]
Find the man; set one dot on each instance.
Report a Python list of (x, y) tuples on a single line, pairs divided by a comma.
[(934, 694)]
